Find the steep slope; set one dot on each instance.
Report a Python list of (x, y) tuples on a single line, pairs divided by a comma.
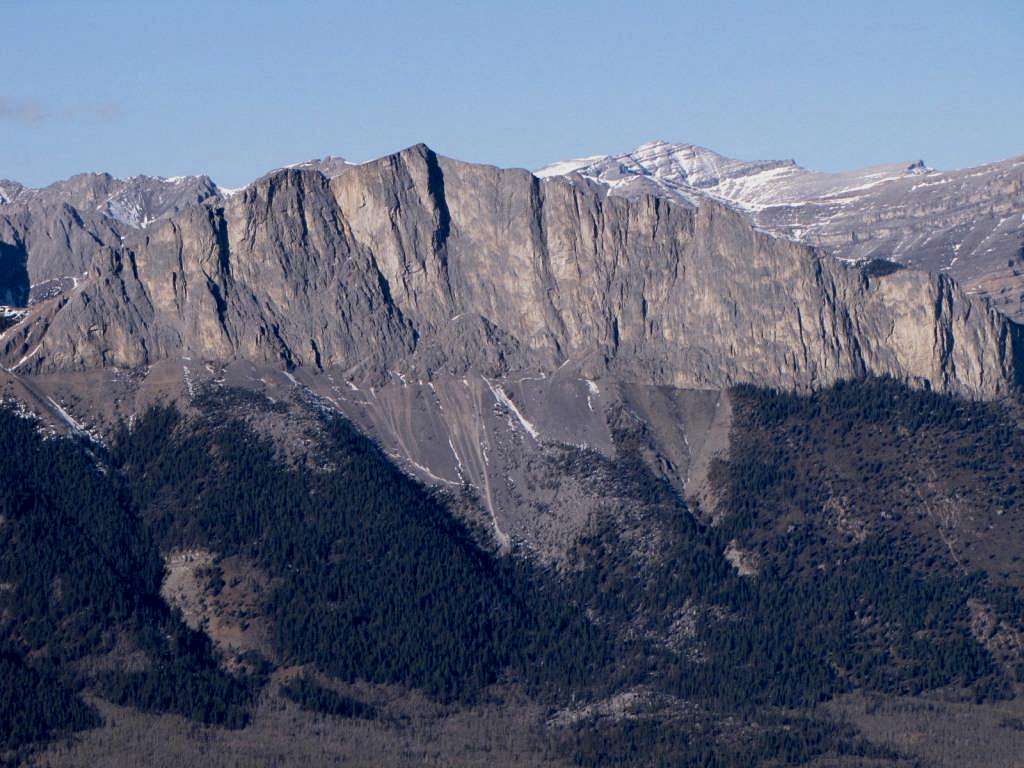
[(366, 272), (969, 223)]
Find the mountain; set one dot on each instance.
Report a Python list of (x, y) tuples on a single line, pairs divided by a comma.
[(134, 202), (373, 271), (419, 461), (465, 316), (968, 223), (965, 223)]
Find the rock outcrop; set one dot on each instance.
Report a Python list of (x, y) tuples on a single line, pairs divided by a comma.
[(429, 266)]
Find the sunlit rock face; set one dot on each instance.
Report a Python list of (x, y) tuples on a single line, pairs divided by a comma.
[(428, 266)]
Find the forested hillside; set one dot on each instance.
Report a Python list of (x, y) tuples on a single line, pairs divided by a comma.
[(373, 578), (862, 540), (80, 576)]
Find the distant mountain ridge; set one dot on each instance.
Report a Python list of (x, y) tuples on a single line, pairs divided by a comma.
[(682, 169), (136, 201)]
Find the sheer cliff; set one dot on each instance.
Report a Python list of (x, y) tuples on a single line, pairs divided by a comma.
[(427, 266)]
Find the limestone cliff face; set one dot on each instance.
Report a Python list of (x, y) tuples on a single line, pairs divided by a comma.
[(430, 266)]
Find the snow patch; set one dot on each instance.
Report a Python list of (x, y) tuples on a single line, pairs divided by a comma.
[(230, 191), (458, 461), (66, 417), (567, 166), (26, 357), (503, 399)]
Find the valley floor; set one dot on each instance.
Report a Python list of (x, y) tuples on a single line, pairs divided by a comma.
[(507, 730), (414, 732)]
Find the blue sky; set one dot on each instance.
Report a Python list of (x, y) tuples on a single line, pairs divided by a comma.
[(234, 89)]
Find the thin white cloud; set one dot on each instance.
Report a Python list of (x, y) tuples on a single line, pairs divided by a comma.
[(29, 112), (32, 112)]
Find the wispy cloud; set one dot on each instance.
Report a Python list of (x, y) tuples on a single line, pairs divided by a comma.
[(31, 112)]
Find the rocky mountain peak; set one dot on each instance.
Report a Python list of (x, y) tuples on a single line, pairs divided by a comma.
[(133, 202), (328, 165), (9, 191)]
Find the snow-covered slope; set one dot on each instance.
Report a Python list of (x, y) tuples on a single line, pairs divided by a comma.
[(691, 172), (9, 191), (144, 199)]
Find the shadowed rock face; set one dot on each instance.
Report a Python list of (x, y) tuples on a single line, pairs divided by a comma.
[(45, 247), (429, 267)]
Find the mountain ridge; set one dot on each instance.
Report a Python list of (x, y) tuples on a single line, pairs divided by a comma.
[(363, 269), (968, 223)]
